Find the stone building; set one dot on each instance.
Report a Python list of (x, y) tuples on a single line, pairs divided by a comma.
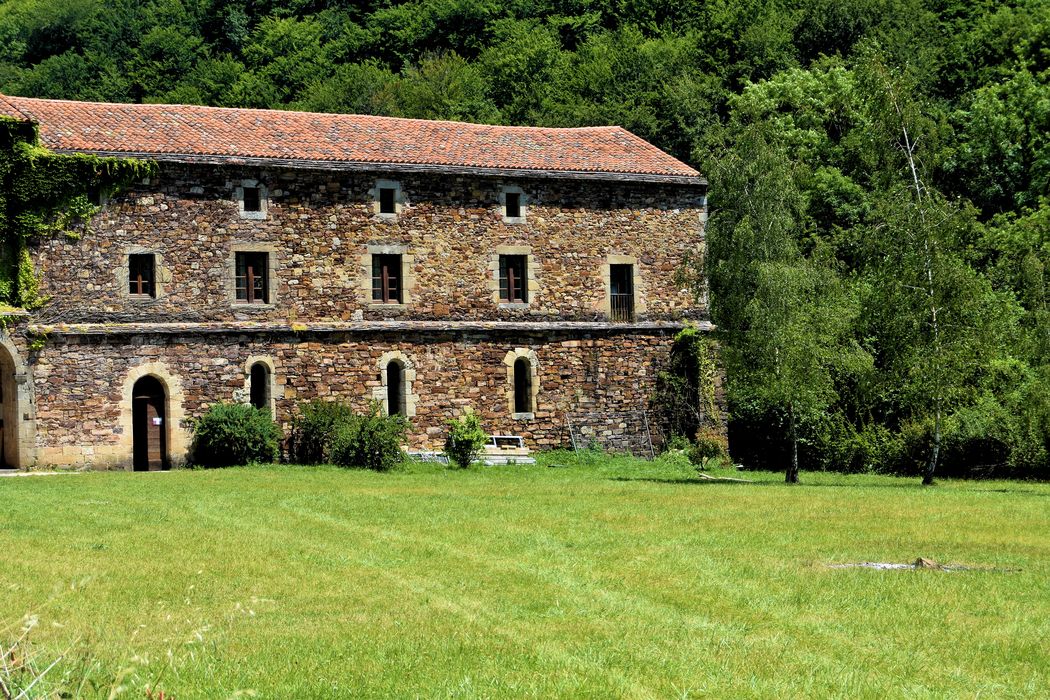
[(527, 274)]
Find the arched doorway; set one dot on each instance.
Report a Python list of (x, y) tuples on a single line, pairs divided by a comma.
[(9, 447), (149, 425)]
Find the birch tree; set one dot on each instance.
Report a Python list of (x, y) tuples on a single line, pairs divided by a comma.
[(940, 320), (783, 318)]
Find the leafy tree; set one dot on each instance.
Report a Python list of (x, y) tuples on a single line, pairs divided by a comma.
[(783, 318), (444, 87), (946, 320)]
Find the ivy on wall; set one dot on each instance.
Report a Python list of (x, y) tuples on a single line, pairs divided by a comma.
[(686, 392), (44, 194)]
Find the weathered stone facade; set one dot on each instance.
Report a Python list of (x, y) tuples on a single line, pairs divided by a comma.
[(83, 381), (319, 228), (74, 364)]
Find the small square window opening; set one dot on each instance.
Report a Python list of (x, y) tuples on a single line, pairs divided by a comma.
[(252, 199), (387, 203), (513, 205), (140, 274)]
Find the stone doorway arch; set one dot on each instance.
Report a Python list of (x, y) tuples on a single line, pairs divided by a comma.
[(15, 409), (175, 436)]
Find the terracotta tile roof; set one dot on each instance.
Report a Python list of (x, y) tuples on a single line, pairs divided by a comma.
[(214, 134)]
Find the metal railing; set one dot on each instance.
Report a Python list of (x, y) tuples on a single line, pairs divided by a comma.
[(622, 307)]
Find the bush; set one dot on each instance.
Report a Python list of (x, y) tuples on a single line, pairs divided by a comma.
[(465, 440), (230, 434), (678, 443), (314, 428), (372, 441), (709, 445)]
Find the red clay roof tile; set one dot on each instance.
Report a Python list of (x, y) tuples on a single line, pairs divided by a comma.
[(173, 131)]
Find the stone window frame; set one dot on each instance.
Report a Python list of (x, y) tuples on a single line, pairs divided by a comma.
[(408, 275), (509, 360), (160, 275), (399, 199), (640, 306), (271, 274), (264, 200), (408, 377), (246, 396), (522, 202), (532, 266)]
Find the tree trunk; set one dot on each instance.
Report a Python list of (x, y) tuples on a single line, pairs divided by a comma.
[(792, 472), (930, 251), (931, 466)]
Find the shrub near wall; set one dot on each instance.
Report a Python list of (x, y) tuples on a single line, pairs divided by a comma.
[(314, 429), (465, 440), (232, 434), (372, 441), (329, 432)]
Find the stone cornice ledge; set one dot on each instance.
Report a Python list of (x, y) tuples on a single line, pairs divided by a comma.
[(236, 327)]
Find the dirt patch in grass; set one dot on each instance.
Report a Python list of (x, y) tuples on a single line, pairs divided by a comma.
[(920, 563)]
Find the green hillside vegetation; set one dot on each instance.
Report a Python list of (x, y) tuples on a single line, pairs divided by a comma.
[(880, 174)]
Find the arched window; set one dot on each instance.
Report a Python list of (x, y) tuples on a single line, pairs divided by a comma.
[(522, 385), (395, 388), (259, 386)]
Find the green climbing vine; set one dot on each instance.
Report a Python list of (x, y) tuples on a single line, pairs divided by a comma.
[(44, 194), (686, 392)]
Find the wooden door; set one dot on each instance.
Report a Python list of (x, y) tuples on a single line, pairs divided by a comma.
[(149, 425), (3, 412)]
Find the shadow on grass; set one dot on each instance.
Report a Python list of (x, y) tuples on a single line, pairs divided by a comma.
[(698, 482), (916, 486)]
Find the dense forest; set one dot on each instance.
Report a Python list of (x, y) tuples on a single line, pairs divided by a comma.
[(880, 173)]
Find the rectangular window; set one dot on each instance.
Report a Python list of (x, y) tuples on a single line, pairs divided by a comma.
[(252, 201), (140, 274), (513, 205), (621, 292), (251, 282), (513, 279), (386, 200), (386, 279)]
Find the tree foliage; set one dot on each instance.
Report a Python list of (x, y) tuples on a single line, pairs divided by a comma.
[(821, 250)]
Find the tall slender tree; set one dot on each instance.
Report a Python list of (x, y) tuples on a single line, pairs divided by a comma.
[(784, 318)]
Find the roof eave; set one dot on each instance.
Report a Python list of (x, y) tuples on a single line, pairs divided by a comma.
[(361, 166)]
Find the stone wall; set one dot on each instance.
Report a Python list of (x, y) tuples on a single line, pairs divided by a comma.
[(83, 383), (319, 228)]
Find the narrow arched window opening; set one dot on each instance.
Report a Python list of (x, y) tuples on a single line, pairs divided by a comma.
[(395, 389), (259, 386), (522, 386)]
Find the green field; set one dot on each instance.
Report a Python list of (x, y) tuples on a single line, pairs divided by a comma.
[(613, 578)]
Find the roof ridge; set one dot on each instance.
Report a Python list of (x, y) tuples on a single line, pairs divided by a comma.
[(281, 110)]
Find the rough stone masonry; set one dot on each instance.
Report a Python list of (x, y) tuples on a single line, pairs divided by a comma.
[(318, 330)]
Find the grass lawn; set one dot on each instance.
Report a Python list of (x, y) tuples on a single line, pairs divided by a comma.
[(615, 578)]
